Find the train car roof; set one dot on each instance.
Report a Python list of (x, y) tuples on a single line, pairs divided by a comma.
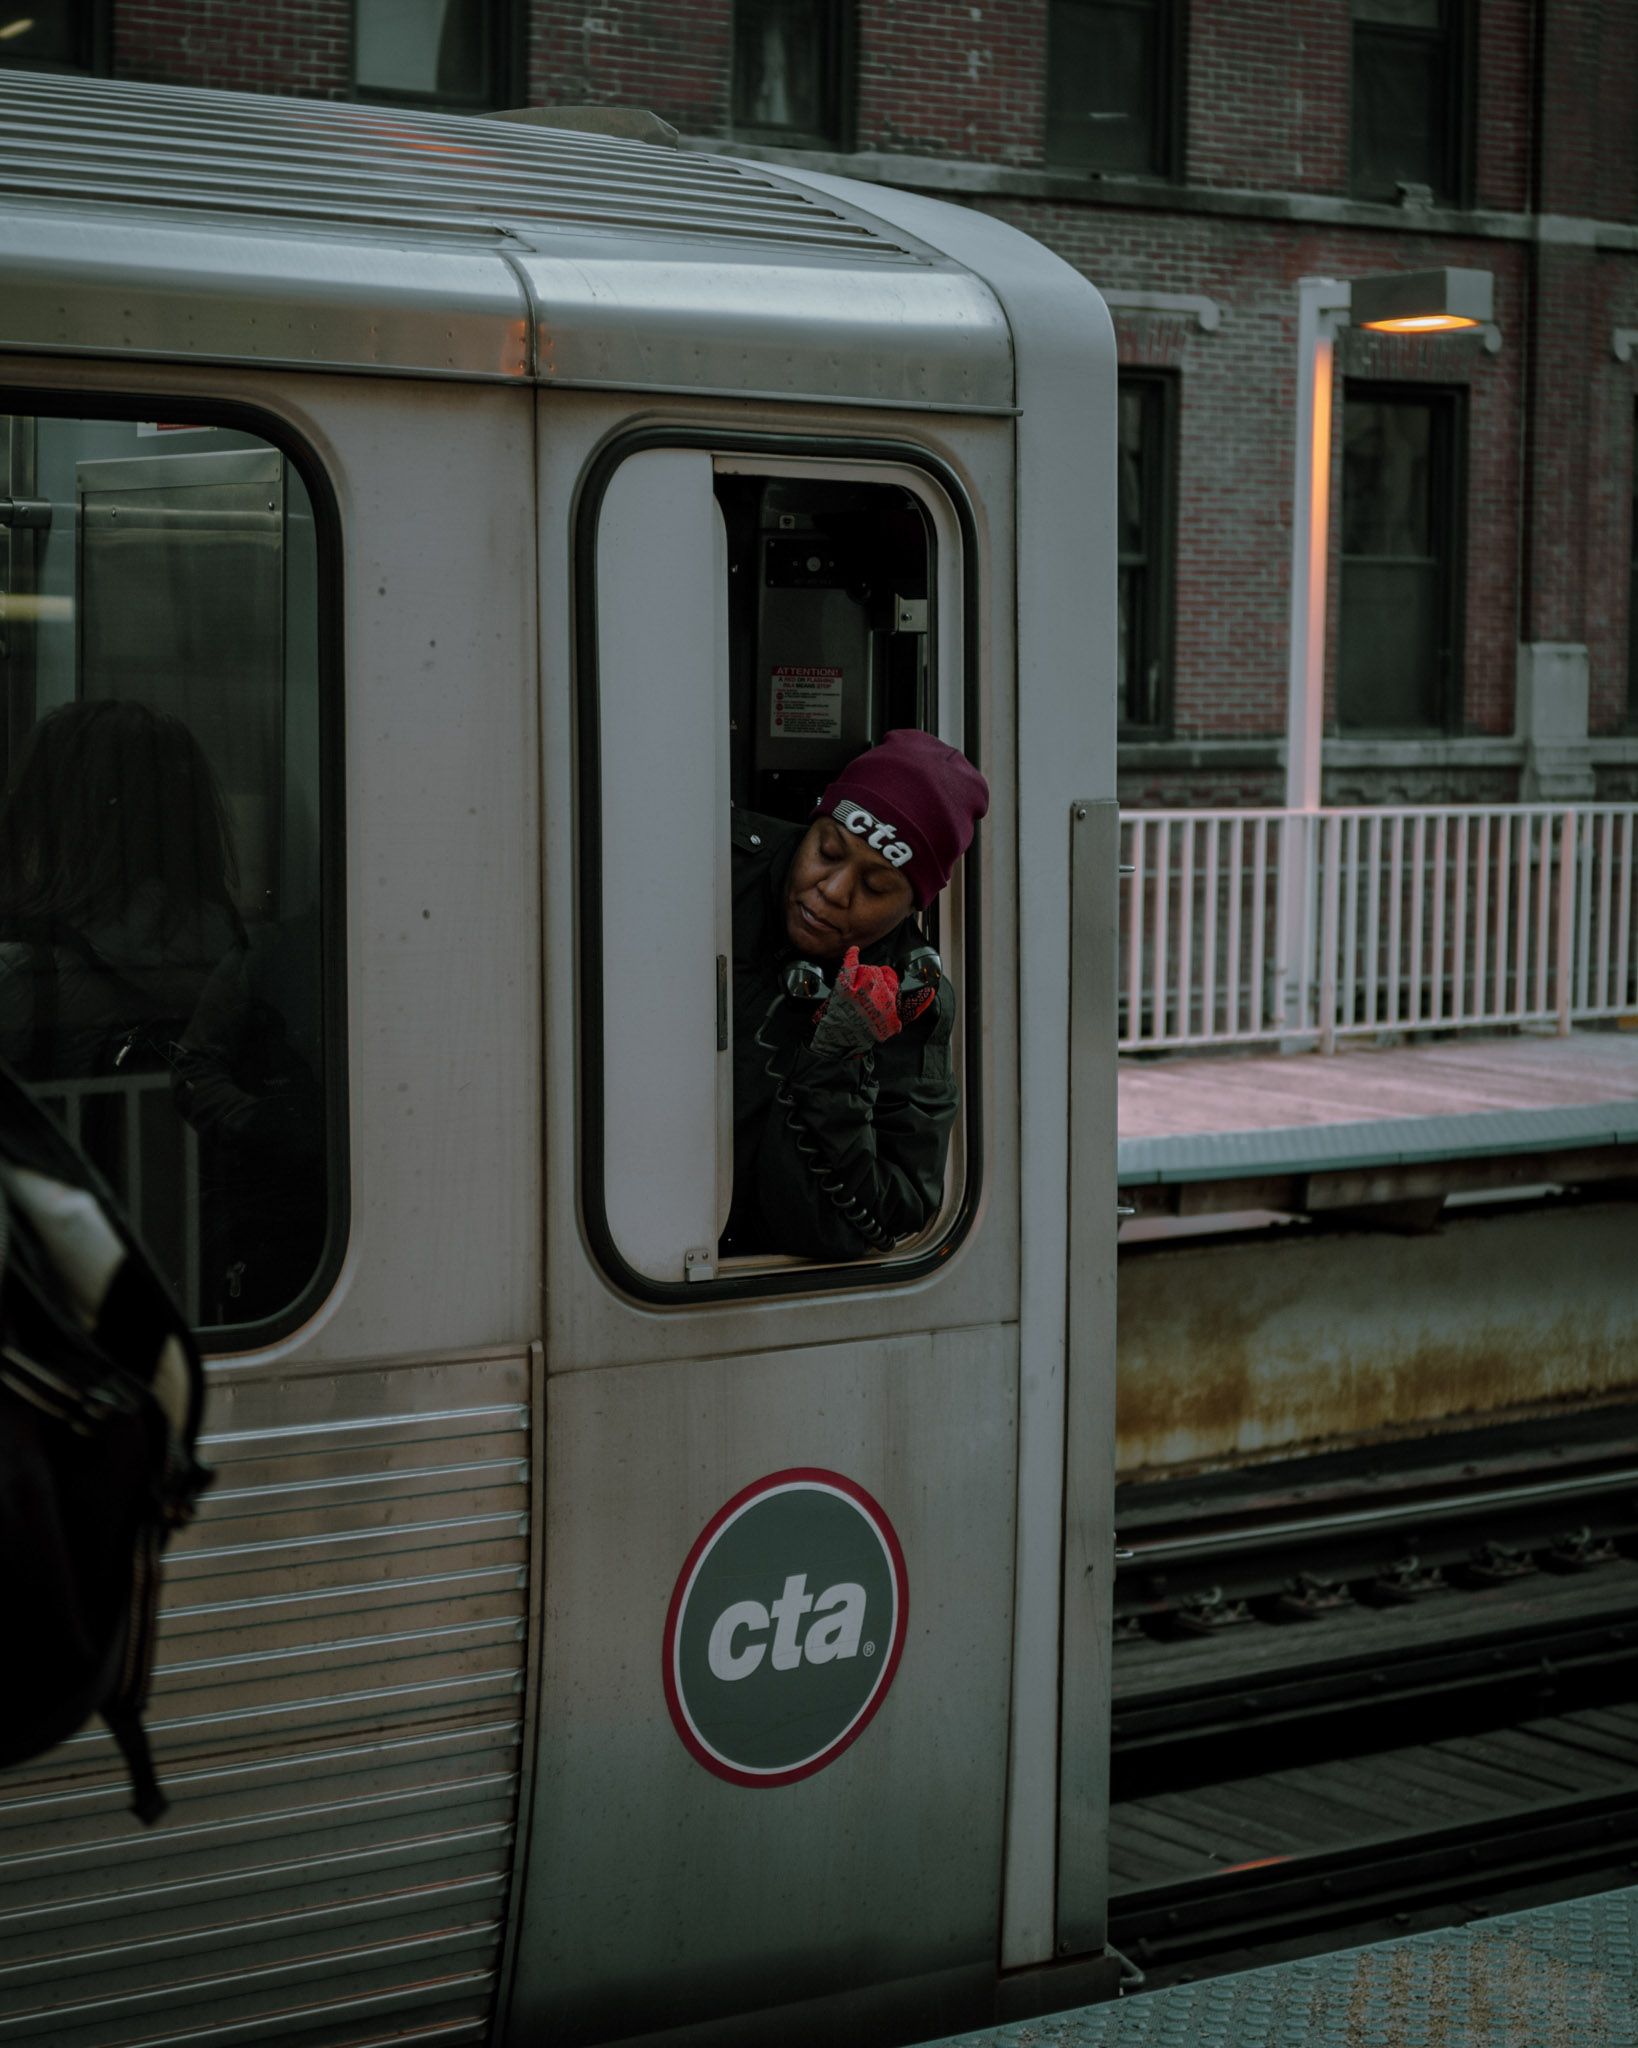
[(160, 222)]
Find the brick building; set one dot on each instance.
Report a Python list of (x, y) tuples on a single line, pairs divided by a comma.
[(1195, 158)]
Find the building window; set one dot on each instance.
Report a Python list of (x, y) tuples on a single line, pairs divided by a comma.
[(1398, 630), (434, 53), (793, 72), (1410, 91), (1113, 86), (55, 35), (1144, 511), (1632, 599)]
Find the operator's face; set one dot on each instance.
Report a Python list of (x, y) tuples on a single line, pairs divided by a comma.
[(840, 893)]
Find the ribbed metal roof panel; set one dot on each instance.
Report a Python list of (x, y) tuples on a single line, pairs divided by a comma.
[(225, 227), (312, 160)]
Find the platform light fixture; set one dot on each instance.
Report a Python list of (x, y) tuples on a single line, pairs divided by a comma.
[(1430, 302), (1422, 301)]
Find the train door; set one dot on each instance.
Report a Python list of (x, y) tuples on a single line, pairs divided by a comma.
[(770, 1771)]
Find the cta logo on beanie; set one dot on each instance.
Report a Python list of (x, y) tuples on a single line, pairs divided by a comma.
[(856, 819), (916, 800)]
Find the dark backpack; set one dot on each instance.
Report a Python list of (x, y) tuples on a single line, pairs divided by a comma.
[(100, 1399)]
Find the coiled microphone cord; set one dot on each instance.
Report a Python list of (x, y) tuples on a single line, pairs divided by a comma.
[(853, 1212)]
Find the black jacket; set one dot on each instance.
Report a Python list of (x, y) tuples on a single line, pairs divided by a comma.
[(853, 1159)]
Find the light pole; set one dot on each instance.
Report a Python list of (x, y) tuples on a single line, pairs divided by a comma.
[(1395, 302)]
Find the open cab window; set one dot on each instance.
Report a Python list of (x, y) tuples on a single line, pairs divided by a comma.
[(759, 621)]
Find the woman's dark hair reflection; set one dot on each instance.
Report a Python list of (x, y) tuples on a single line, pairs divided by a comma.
[(110, 804)]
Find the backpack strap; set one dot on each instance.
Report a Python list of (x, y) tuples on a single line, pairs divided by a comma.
[(125, 1725)]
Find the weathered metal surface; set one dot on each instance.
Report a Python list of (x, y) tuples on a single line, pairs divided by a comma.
[(1230, 1349), (657, 1894), (150, 221), (1563, 1976), (644, 316), (120, 281), (1089, 1565), (336, 1722)]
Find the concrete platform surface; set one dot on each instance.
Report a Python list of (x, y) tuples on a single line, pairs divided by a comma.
[(1219, 1117), (1562, 1976), (1191, 1093)]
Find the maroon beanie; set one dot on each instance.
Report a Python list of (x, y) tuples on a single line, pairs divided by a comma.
[(916, 801)]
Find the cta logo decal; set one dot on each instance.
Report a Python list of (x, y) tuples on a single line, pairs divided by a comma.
[(785, 1629)]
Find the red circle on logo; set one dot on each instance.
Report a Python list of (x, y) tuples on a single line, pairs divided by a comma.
[(796, 1478)]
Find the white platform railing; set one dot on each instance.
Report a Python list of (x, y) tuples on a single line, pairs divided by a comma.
[(1238, 926), (130, 1126)]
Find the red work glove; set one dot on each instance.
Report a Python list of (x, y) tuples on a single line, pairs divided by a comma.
[(863, 1009)]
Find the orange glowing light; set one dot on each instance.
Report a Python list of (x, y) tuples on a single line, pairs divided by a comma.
[(1420, 323)]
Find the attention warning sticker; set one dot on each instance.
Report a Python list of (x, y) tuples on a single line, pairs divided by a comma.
[(807, 704)]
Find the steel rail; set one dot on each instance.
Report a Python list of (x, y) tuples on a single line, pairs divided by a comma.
[(1201, 1547), (1306, 1893)]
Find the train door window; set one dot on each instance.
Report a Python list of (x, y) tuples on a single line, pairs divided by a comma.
[(433, 53), (790, 616), (162, 841)]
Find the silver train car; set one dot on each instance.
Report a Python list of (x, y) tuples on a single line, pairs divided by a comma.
[(495, 506)]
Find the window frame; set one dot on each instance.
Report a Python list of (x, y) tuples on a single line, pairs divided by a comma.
[(1168, 93), (1460, 36), (1160, 477), (507, 61), (841, 87), (778, 1278), (231, 1340), (1450, 400)]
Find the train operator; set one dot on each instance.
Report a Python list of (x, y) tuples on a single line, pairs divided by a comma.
[(844, 1097)]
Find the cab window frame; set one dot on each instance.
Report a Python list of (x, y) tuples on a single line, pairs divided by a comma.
[(778, 1276), (228, 1341)]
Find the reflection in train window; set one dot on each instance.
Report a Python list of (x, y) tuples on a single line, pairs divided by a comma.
[(791, 621), (161, 975)]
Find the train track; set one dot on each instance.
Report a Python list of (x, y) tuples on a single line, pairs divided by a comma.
[(1349, 1689), (1349, 1840)]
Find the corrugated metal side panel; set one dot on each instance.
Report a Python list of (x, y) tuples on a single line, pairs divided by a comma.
[(336, 1720)]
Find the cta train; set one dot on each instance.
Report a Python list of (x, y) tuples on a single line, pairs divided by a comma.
[(497, 508)]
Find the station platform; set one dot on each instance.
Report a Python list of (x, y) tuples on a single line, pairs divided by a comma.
[(1213, 1132), (1560, 1976)]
